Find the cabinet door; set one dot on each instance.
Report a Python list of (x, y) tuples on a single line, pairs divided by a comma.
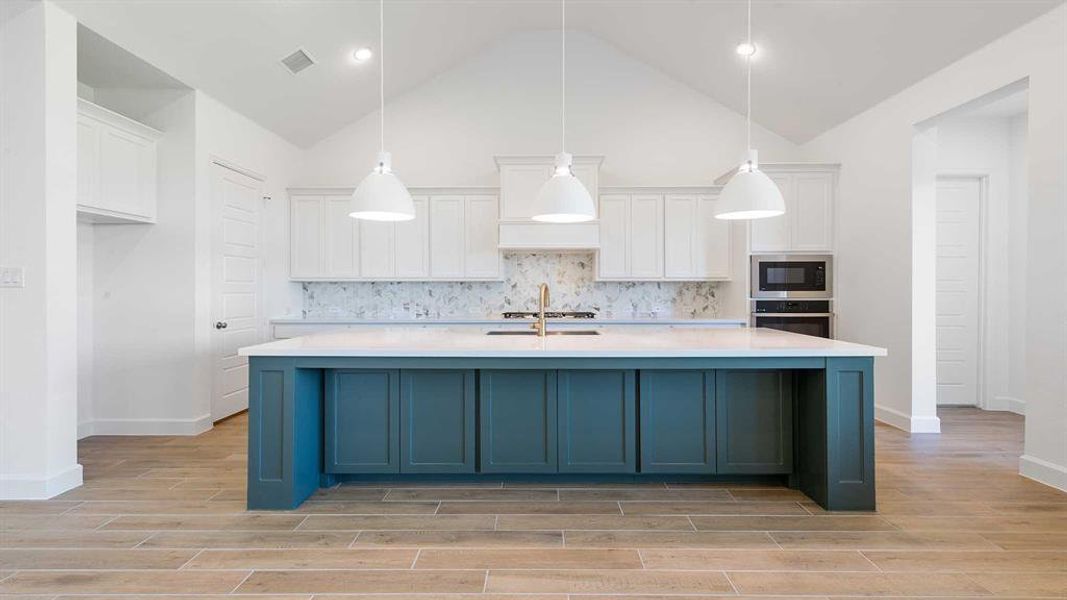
[(362, 421), (772, 234), (125, 184), (812, 213), (88, 161), (588, 174), (482, 249), (413, 243), (646, 237), (755, 422), (677, 421), (437, 421), (377, 259), (680, 215), (612, 261), (519, 185), (341, 240), (447, 226), (597, 416), (518, 421), (715, 242), (305, 237)]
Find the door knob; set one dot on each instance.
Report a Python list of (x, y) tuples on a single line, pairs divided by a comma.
[(220, 324)]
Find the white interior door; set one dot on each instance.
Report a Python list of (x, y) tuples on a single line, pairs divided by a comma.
[(959, 204), (237, 202)]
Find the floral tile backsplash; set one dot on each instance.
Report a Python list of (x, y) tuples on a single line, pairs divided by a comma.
[(570, 278)]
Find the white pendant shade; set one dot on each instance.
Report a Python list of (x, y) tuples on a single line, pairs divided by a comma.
[(563, 198), (381, 196), (750, 194)]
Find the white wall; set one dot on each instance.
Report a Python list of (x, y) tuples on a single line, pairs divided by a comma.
[(1017, 258), (984, 147), (38, 322), (875, 224), (143, 309), (151, 321), (652, 130), (86, 353)]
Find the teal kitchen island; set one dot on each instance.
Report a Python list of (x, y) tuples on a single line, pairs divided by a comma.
[(669, 403)]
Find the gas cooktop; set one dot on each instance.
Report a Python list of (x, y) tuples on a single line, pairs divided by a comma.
[(580, 314)]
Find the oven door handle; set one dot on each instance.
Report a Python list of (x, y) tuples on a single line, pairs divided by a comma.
[(762, 314)]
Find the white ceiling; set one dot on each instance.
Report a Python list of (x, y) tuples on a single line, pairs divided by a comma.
[(821, 61)]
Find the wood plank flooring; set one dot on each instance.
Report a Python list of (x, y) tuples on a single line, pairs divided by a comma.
[(164, 517)]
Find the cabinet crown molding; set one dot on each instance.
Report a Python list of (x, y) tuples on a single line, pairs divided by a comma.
[(542, 159), (95, 111), (784, 167), (415, 191)]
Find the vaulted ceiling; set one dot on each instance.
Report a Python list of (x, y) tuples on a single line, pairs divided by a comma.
[(820, 61)]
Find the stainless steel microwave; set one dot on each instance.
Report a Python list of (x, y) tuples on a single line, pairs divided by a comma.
[(792, 276)]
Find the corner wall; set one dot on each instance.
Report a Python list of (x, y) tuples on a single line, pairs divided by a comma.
[(875, 216), (38, 322)]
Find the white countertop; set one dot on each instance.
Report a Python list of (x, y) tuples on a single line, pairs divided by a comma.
[(472, 342), (599, 321)]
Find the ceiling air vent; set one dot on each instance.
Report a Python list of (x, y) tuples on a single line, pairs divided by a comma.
[(298, 61)]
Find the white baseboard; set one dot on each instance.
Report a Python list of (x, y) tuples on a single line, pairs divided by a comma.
[(40, 488), (908, 423), (194, 426), (1042, 471), (1010, 404), (85, 429)]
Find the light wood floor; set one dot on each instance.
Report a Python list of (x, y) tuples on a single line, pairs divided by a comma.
[(166, 516)]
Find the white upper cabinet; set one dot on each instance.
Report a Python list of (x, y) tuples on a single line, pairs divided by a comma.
[(808, 224), (646, 236), (116, 167), (680, 228), (481, 246), (377, 258), (714, 241), (412, 243), (665, 235), (305, 237), (521, 177), (453, 237), (447, 226), (341, 240), (613, 260)]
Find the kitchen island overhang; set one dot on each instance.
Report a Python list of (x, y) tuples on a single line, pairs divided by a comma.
[(411, 402)]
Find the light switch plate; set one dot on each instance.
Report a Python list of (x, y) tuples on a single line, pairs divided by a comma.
[(12, 277)]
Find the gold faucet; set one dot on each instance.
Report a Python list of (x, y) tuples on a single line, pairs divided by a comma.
[(542, 302)]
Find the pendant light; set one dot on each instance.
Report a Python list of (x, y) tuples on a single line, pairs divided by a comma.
[(381, 196), (749, 194), (563, 198)]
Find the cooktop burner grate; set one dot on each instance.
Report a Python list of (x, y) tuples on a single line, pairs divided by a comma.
[(581, 314)]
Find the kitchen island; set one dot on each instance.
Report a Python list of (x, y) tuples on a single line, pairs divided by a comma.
[(465, 403)]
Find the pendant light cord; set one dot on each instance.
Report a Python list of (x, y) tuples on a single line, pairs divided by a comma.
[(381, 67), (748, 83), (563, 76)]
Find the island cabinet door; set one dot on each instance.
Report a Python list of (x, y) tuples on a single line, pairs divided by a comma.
[(677, 421), (597, 422), (755, 421), (518, 421), (437, 426), (362, 421)]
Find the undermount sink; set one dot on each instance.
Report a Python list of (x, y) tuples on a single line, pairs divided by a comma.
[(532, 332)]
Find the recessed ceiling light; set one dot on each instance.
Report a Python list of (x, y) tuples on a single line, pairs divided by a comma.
[(362, 55), (746, 49)]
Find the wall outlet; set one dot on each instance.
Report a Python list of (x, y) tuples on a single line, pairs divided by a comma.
[(12, 277)]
